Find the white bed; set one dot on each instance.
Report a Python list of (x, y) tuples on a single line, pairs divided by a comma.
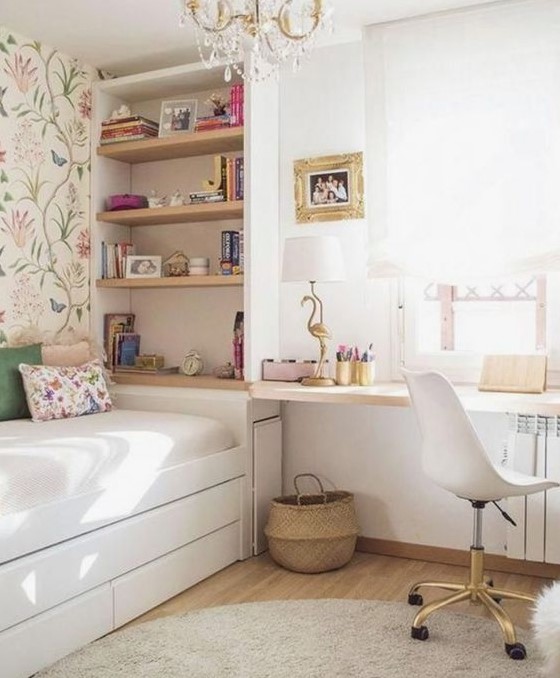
[(105, 516)]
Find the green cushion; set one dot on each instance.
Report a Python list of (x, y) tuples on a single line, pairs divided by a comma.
[(12, 396)]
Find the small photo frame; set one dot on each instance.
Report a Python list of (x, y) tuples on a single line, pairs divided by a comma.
[(330, 188), (177, 116), (143, 266)]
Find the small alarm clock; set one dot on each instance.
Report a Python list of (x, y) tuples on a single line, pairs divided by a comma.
[(192, 364)]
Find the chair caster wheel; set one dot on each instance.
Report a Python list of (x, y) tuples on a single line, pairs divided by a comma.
[(420, 633), (415, 599), (490, 584), (516, 651)]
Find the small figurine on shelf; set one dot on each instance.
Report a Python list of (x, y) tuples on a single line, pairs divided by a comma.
[(224, 371), (177, 199), (155, 201), (219, 104), (176, 265), (122, 111)]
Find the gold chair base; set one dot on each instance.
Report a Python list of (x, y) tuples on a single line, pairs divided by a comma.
[(477, 590)]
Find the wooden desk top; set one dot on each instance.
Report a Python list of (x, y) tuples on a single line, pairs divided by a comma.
[(394, 394)]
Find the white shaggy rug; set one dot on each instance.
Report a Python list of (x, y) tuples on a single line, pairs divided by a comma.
[(307, 639)]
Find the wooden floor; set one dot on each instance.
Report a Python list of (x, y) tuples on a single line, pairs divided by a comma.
[(365, 577)]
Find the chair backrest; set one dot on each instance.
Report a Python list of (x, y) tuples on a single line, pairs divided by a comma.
[(452, 453)]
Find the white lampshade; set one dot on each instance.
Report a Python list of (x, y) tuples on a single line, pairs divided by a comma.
[(313, 258)]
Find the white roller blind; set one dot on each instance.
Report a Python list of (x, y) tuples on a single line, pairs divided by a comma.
[(463, 112)]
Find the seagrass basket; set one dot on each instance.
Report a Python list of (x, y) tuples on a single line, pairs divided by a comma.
[(312, 532)]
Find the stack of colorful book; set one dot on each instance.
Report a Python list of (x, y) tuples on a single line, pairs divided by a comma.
[(133, 128), (211, 122), (206, 196)]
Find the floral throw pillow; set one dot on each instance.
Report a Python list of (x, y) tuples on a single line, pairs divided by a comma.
[(63, 392)]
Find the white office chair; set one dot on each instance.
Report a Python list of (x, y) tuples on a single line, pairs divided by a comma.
[(455, 459)]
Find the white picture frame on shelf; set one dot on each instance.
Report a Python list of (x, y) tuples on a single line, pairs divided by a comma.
[(177, 116), (143, 266)]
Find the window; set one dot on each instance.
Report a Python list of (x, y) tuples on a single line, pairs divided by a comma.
[(484, 318), (463, 140)]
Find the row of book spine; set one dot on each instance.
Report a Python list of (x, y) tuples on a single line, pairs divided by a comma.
[(232, 255), (113, 258), (237, 105), (113, 325), (226, 184), (238, 346)]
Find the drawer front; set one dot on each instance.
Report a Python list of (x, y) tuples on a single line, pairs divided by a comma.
[(152, 584), (39, 642), (38, 582)]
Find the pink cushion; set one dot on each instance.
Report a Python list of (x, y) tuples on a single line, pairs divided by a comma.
[(66, 355)]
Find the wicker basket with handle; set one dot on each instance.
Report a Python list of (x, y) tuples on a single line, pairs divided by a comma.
[(312, 532)]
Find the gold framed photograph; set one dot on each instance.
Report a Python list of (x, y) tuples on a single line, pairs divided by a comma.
[(177, 117), (330, 188)]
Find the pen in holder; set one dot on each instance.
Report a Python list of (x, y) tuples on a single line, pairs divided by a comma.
[(366, 373), (353, 367), (344, 373)]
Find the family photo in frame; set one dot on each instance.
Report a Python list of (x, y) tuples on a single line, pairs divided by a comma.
[(143, 266), (177, 117), (329, 188)]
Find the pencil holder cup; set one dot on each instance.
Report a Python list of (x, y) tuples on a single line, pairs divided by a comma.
[(366, 373), (355, 372), (343, 375)]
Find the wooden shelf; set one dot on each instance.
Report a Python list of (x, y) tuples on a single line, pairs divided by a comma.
[(175, 146), (180, 381), (187, 281), (217, 211)]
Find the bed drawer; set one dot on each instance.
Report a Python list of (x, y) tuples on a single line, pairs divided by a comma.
[(40, 581), (41, 641), (152, 584)]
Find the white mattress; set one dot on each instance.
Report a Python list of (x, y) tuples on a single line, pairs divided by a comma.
[(62, 478)]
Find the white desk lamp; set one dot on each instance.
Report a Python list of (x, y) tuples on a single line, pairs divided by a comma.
[(314, 259)]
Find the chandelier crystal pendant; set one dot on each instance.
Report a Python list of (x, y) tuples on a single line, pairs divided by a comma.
[(270, 32)]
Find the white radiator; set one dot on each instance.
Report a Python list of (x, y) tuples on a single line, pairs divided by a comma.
[(534, 447)]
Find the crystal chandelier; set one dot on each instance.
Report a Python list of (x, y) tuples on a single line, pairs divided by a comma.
[(270, 32)]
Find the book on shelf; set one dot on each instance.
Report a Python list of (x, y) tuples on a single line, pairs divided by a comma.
[(132, 137), (131, 119), (146, 370), (238, 360), (206, 196), (130, 129), (237, 105), (228, 177), (231, 256), (128, 132), (211, 122), (113, 258), (126, 348), (113, 324)]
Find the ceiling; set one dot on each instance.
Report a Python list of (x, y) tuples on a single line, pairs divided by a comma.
[(131, 36)]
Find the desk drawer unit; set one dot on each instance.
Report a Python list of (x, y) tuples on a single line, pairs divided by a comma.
[(534, 448)]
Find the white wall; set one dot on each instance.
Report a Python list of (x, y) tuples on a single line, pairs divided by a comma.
[(369, 450)]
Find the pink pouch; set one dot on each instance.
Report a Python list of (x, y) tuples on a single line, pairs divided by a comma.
[(124, 201)]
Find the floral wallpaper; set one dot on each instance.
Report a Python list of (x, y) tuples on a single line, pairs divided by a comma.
[(45, 110)]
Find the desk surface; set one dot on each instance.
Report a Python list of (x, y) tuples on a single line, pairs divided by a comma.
[(394, 394)]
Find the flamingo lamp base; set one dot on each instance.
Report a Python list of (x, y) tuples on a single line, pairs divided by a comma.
[(318, 381)]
